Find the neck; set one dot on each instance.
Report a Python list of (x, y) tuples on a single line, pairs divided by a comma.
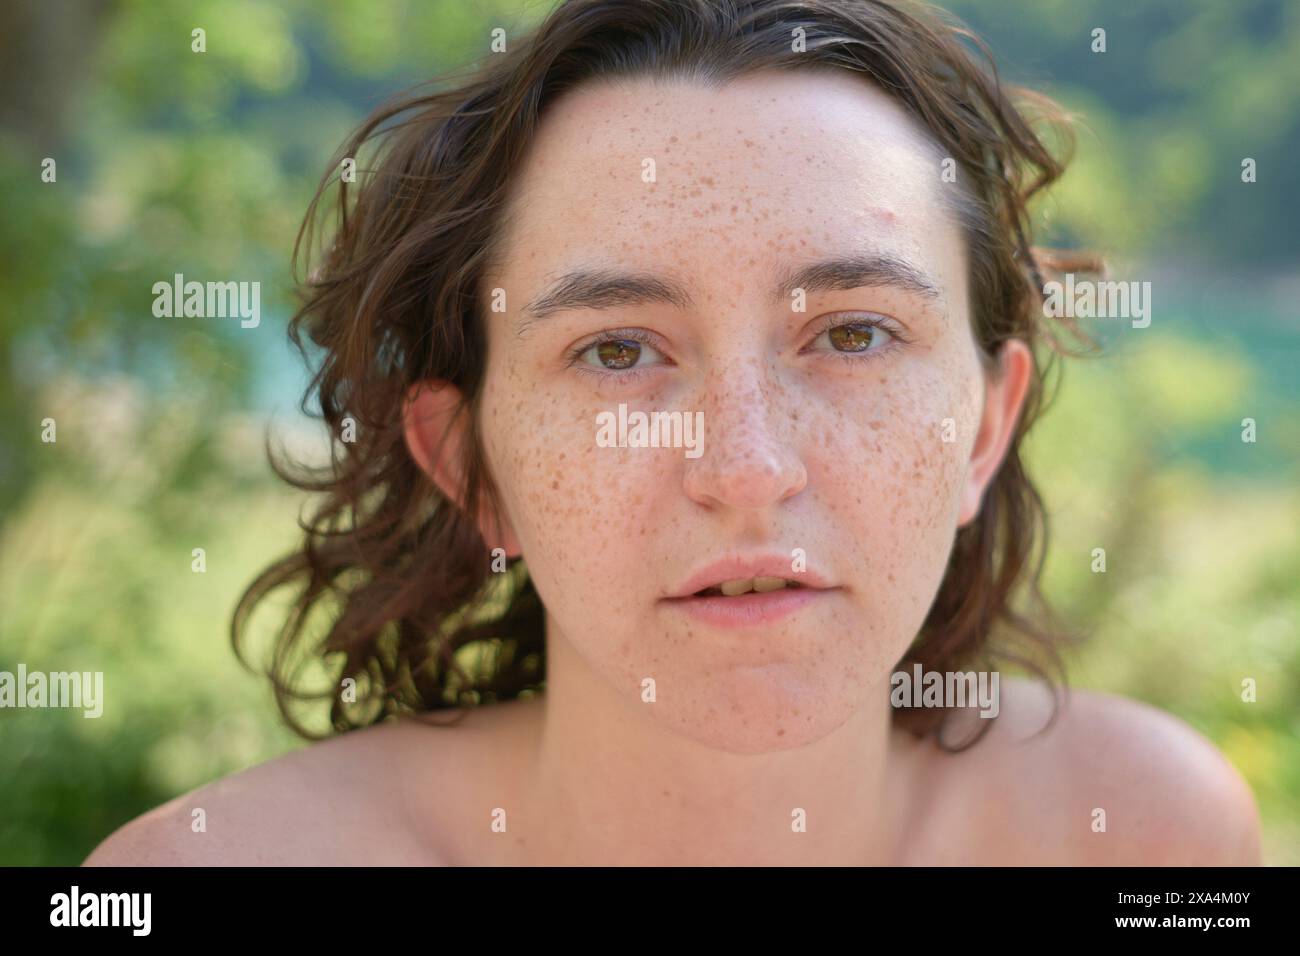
[(614, 784)]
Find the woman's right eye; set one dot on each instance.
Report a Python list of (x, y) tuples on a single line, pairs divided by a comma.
[(617, 354)]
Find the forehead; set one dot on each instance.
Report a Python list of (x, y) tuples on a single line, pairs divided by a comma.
[(770, 167)]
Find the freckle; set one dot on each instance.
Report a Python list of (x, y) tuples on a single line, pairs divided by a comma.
[(554, 485), (780, 733), (876, 426)]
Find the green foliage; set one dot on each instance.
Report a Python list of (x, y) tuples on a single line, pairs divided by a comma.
[(1183, 92)]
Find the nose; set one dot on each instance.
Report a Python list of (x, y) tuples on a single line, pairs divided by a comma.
[(749, 461)]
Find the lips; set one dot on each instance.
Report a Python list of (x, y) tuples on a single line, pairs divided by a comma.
[(739, 575), (744, 593)]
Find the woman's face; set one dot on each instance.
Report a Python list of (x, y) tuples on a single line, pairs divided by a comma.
[(823, 415)]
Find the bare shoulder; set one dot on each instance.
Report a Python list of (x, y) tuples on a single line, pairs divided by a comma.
[(1110, 781), (339, 801)]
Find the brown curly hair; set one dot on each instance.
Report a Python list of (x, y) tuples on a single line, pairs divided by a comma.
[(401, 575)]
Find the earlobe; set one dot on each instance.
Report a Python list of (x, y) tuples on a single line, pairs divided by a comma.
[(435, 425), (1004, 397)]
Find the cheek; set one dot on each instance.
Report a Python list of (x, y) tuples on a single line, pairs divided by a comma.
[(891, 477), (582, 513)]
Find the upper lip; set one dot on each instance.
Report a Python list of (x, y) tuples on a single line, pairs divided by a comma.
[(738, 568)]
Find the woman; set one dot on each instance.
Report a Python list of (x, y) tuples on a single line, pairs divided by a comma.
[(801, 227)]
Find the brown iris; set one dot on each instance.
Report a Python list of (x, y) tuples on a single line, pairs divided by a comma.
[(851, 338), (619, 353)]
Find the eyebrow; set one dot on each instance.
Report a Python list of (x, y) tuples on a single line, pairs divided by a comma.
[(601, 288)]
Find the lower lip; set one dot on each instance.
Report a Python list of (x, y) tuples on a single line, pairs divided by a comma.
[(748, 610)]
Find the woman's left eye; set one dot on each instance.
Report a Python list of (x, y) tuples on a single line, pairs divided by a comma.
[(855, 337)]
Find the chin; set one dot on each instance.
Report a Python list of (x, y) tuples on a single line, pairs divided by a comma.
[(761, 709)]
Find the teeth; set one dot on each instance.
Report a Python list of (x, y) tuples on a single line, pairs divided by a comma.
[(745, 585)]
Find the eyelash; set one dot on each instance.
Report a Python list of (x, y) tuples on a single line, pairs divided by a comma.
[(613, 335), (637, 335), (896, 335)]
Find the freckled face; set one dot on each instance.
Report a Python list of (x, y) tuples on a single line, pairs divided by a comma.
[(823, 427)]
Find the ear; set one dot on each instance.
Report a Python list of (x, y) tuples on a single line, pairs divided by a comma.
[(436, 429), (1004, 396)]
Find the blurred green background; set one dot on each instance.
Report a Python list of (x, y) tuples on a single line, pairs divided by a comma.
[(171, 161)]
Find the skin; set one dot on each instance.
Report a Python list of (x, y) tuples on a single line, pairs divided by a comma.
[(834, 452)]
